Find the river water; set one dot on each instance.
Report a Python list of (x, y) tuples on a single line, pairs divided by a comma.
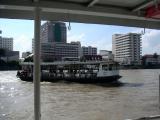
[(136, 97)]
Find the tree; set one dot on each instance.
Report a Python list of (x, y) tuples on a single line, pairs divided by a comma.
[(29, 59), (2, 52), (2, 63), (144, 60), (155, 55)]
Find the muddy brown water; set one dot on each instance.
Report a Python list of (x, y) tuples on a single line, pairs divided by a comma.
[(136, 97)]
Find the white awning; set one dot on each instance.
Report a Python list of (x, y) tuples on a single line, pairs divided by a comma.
[(111, 12)]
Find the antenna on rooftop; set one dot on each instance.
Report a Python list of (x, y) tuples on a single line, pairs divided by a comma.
[(143, 31), (69, 25)]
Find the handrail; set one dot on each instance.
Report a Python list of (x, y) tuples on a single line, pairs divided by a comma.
[(147, 118)]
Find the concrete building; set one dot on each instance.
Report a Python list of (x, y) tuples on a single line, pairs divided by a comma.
[(151, 60), (88, 50), (106, 55), (127, 48), (53, 32), (6, 43), (53, 42), (56, 51), (54, 45)]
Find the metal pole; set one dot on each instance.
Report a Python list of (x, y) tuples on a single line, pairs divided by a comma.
[(154, 117), (159, 91), (37, 73)]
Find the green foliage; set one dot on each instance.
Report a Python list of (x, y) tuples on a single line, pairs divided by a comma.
[(2, 52), (2, 62), (13, 63), (155, 55), (28, 59)]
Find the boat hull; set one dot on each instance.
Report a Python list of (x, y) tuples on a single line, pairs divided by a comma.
[(107, 79)]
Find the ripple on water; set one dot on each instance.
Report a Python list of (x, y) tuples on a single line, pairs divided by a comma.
[(135, 97)]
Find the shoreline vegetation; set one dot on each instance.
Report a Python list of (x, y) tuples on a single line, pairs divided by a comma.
[(10, 65), (6, 63), (126, 67)]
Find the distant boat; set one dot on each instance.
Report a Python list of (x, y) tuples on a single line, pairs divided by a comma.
[(74, 71)]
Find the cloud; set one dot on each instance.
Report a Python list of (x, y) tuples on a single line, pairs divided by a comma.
[(22, 43), (101, 44), (150, 42), (75, 37)]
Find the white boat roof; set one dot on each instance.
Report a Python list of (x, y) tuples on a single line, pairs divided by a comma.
[(111, 12), (70, 63)]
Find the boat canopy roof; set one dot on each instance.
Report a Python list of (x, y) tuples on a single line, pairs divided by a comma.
[(70, 63)]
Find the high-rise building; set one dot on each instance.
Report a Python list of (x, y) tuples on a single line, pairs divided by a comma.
[(53, 32), (6, 43), (127, 48), (89, 50), (54, 45), (56, 51)]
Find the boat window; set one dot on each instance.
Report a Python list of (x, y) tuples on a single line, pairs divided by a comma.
[(117, 66), (114, 67), (104, 67), (110, 67)]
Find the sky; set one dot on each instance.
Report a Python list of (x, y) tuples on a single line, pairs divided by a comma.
[(100, 36)]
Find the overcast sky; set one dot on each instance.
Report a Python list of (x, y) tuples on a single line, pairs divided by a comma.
[(99, 36)]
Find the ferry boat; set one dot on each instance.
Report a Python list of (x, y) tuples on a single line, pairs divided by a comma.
[(73, 71)]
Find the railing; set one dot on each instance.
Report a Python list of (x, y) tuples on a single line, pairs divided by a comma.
[(159, 91), (155, 117)]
